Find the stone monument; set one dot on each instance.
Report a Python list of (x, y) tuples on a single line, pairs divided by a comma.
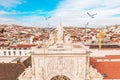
[(61, 62), (60, 32)]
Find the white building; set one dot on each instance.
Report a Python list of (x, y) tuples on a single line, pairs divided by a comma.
[(14, 53)]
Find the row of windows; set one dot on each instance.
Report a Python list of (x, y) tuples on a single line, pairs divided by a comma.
[(18, 48), (14, 53)]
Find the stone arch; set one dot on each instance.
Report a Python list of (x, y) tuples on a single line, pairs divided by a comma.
[(68, 75), (60, 77)]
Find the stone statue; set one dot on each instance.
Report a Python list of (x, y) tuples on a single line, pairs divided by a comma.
[(94, 75), (59, 34), (26, 75), (28, 72)]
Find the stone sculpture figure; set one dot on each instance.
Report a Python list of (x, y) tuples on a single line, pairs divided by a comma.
[(59, 34)]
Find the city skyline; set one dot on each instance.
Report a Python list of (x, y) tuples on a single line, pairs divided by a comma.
[(66, 12)]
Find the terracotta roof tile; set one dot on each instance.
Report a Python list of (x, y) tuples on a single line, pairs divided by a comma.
[(10, 71), (28, 62), (112, 56), (23, 46), (111, 70)]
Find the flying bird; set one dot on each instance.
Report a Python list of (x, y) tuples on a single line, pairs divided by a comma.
[(87, 23), (46, 18), (91, 15), (49, 24)]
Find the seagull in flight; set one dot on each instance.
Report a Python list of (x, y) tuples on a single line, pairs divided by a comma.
[(91, 15), (46, 18), (48, 24), (86, 24)]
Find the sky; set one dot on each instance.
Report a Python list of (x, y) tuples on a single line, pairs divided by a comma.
[(65, 12)]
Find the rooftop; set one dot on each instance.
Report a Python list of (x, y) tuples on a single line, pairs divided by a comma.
[(110, 68)]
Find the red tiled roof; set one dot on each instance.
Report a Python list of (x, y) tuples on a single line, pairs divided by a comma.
[(116, 40), (28, 62), (110, 49), (113, 56), (2, 39), (23, 46), (10, 71), (106, 57), (110, 69)]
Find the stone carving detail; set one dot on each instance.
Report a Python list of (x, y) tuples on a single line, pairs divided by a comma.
[(67, 39), (42, 74), (60, 77), (26, 75), (60, 34), (81, 68), (61, 64), (94, 75)]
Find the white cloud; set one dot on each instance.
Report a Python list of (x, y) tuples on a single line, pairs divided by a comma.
[(23, 18), (33, 20), (4, 20), (112, 3), (3, 12), (14, 12), (73, 12), (10, 3)]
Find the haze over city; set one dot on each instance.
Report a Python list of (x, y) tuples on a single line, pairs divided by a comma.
[(65, 12)]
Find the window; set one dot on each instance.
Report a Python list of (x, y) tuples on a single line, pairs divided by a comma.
[(9, 52), (4, 52), (8, 48), (25, 48), (20, 52), (14, 52), (25, 53)]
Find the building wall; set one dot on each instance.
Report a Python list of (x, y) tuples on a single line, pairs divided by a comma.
[(7, 56), (47, 67), (14, 52)]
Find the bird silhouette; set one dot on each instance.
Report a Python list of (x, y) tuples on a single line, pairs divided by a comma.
[(91, 15), (87, 23), (46, 18)]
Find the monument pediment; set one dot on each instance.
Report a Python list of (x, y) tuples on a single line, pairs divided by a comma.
[(59, 47)]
